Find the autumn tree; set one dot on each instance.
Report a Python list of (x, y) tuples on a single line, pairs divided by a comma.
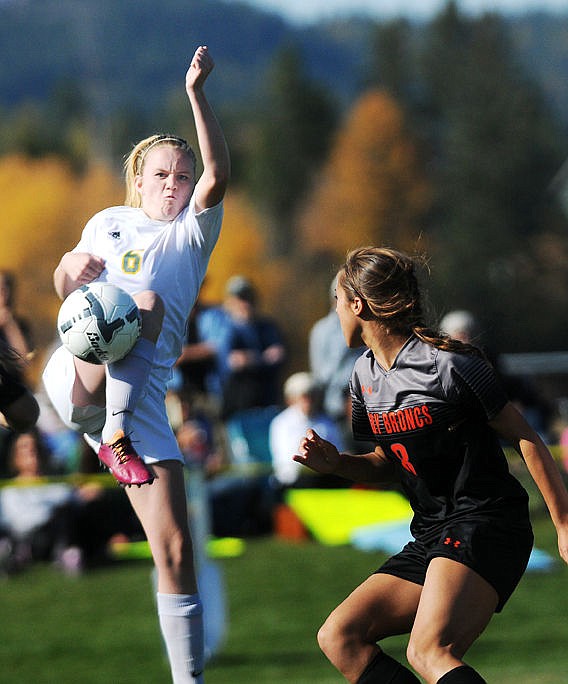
[(45, 206), (372, 188), (242, 249)]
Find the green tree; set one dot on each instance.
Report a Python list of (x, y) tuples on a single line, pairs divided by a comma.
[(497, 149), (392, 59), (293, 133)]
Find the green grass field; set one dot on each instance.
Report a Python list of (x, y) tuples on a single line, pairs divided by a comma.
[(102, 628)]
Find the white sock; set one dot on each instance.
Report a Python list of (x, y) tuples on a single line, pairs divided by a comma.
[(181, 622), (125, 381)]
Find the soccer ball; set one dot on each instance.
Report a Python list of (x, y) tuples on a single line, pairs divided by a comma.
[(99, 323)]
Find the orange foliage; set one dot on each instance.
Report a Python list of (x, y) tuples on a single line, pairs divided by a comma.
[(372, 189), (242, 250)]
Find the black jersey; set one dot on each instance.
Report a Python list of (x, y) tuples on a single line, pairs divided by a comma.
[(11, 386), (430, 414)]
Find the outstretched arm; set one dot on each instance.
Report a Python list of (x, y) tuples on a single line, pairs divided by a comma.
[(323, 457), (212, 184), (511, 425)]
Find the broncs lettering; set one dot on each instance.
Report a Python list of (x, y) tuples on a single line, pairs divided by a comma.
[(402, 420)]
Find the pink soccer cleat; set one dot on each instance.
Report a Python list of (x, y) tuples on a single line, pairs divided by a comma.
[(120, 457)]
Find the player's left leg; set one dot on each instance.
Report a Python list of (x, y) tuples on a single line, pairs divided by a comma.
[(162, 510), (455, 607)]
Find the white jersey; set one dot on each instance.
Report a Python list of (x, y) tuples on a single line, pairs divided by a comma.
[(169, 258)]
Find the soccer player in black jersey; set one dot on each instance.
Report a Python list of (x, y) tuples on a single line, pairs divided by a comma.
[(436, 411), (18, 405)]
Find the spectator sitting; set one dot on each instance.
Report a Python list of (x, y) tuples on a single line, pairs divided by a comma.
[(41, 520), (461, 325), (288, 427), (36, 516), (521, 390), (197, 433), (255, 352), (205, 335)]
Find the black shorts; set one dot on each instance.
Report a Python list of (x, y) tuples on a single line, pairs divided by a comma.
[(497, 550)]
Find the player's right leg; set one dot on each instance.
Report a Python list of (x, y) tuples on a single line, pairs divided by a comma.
[(383, 605), (127, 378), (125, 383), (76, 390)]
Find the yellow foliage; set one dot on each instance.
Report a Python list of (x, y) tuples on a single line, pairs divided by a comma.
[(45, 206), (242, 250)]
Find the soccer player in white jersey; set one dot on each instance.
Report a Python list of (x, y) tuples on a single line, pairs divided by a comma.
[(436, 412), (157, 248)]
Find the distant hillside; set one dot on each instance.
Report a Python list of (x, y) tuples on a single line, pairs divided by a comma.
[(123, 52), (132, 53)]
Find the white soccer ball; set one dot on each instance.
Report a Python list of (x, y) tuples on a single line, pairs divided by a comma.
[(99, 323)]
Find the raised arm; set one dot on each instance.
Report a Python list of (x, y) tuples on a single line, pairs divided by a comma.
[(511, 425), (212, 184)]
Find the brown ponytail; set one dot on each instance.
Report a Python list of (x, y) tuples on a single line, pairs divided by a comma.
[(386, 280)]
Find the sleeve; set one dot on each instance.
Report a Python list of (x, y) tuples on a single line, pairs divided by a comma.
[(360, 424), (86, 242), (470, 379), (204, 228)]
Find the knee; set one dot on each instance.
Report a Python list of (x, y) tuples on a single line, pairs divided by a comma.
[(152, 310), (326, 637), (333, 639), (424, 656)]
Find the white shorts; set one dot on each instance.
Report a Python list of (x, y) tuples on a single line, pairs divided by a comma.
[(149, 430)]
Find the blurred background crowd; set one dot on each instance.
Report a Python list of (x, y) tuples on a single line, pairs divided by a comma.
[(239, 412)]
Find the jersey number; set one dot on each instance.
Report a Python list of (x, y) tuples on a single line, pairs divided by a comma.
[(402, 454), (132, 261)]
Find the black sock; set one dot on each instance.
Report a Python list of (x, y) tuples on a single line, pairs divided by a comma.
[(464, 674), (386, 670)]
